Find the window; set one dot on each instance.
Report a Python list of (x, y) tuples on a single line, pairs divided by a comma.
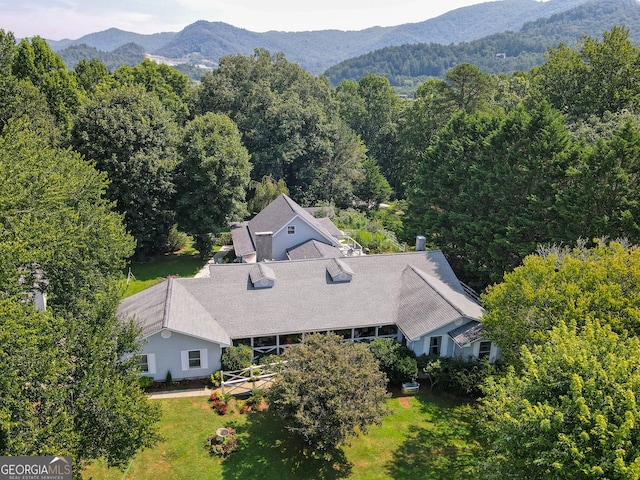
[(143, 363), (194, 359), (264, 341), (434, 346), (291, 230), (485, 350), (387, 330), (346, 334), (365, 332), (290, 339)]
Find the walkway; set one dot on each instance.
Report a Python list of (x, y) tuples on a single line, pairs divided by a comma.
[(217, 258), (200, 392)]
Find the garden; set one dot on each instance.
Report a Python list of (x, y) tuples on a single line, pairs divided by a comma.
[(423, 436)]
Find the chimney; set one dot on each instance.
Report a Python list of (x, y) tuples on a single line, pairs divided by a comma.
[(264, 246), (421, 243)]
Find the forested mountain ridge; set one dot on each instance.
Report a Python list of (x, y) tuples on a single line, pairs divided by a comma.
[(205, 42), (504, 52)]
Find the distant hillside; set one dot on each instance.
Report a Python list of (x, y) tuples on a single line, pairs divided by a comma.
[(128, 54), (203, 43), (109, 40), (506, 52)]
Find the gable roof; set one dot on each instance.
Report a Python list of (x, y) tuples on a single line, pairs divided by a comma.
[(170, 306), (273, 218), (313, 249), (417, 291)]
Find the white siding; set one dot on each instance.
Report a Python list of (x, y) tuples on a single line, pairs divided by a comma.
[(282, 241), (167, 354)]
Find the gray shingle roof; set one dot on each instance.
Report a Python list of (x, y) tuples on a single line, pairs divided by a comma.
[(273, 218), (313, 249), (417, 291), (242, 241), (467, 333)]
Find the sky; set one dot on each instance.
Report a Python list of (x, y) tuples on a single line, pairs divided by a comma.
[(59, 19)]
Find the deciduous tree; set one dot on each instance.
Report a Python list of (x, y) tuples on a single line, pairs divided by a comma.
[(65, 386), (211, 178), (130, 135), (561, 284), (328, 390), (571, 413)]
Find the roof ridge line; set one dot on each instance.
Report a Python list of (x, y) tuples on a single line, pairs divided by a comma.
[(167, 303), (424, 276)]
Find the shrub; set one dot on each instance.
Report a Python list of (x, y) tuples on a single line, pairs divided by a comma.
[(168, 380), (176, 240), (455, 375), (220, 402), (224, 238), (216, 379), (255, 398), (396, 360), (222, 447), (145, 382), (237, 357)]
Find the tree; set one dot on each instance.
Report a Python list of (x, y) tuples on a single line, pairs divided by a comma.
[(37, 63), (130, 135), (328, 390), (264, 192), (289, 124), (604, 198), (487, 190), (396, 360), (561, 284), (571, 413), (90, 74), (211, 178), (66, 385), (173, 88), (372, 109), (374, 188), (596, 78), (470, 88)]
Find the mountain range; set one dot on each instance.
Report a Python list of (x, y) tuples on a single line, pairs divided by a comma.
[(203, 43)]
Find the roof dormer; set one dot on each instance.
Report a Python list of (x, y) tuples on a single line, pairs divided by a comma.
[(262, 276), (339, 271)]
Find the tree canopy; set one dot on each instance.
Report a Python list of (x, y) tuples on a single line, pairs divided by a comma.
[(129, 134), (572, 285), (211, 178), (66, 387), (571, 412), (327, 390)]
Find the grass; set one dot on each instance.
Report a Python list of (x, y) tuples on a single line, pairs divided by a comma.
[(425, 436), (185, 263)]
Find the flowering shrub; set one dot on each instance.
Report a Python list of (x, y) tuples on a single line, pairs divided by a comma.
[(220, 403), (222, 446)]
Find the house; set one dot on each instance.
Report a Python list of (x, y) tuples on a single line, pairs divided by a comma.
[(412, 297), (284, 230)]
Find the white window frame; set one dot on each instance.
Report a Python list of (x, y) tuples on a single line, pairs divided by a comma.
[(151, 363), (204, 363)]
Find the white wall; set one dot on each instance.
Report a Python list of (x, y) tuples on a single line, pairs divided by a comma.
[(448, 347), (282, 241), (168, 356)]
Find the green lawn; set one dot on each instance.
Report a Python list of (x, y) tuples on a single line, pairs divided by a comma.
[(423, 437), (185, 263)]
